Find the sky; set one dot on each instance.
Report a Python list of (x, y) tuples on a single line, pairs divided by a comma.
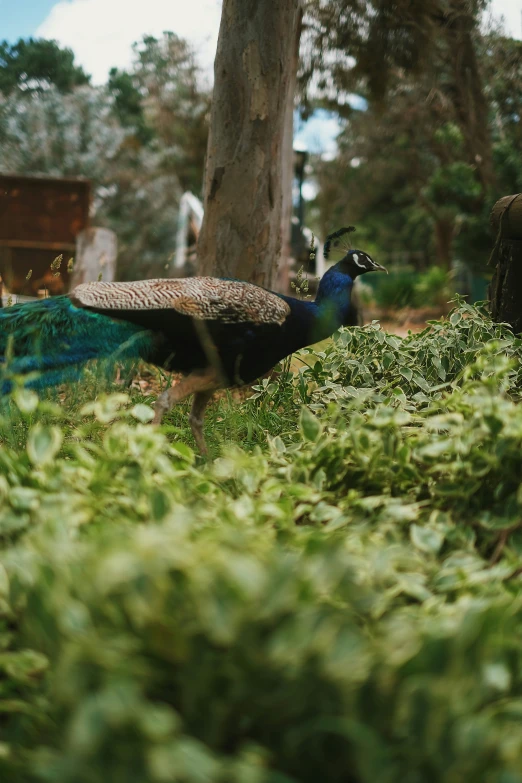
[(101, 33)]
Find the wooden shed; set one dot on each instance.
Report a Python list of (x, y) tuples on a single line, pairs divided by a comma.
[(40, 218)]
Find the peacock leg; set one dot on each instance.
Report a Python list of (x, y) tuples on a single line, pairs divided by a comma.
[(200, 402), (196, 382)]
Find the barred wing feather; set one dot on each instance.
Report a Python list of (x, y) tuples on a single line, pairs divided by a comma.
[(203, 298)]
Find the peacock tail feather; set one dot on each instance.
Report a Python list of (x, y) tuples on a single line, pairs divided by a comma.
[(51, 341)]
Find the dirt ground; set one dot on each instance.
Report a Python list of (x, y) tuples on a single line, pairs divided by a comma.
[(400, 322), (402, 329)]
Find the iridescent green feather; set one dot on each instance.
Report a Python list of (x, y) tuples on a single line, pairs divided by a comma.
[(53, 340)]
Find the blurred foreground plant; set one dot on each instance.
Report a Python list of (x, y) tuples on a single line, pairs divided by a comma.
[(342, 604)]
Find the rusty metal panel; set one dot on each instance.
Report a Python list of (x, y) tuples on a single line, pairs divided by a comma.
[(40, 218), (41, 210)]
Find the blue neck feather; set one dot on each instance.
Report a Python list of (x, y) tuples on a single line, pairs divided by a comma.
[(314, 321), (335, 290), (333, 302)]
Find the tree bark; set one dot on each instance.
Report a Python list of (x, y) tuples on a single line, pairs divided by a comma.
[(505, 290), (96, 254), (241, 235), (444, 234), (467, 93), (287, 170)]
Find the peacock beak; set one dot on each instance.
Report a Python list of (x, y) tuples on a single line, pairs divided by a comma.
[(379, 268)]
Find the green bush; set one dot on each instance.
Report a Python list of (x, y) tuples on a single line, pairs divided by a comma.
[(433, 288), (407, 288), (395, 290), (339, 603)]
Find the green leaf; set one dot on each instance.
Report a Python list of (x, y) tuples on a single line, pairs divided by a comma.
[(497, 676), (24, 664), (310, 426), (43, 444), (159, 503), (420, 381), (183, 451), (4, 582), (387, 360), (455, 318), (142, 413), (26, 400), (426, 539)]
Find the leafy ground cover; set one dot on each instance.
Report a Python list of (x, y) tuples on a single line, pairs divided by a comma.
[(335, 597)]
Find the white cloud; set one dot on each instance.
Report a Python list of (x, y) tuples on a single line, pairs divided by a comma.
[(511, 10), (101, 32)]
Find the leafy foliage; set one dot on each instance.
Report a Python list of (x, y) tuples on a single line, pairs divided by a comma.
[(431, 153), (162, 97), (382, 39), (60, 135), (141, 139), (342, 603), (405, 287), (34, 65)]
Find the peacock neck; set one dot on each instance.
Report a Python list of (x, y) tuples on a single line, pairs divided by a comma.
[(333, 300)]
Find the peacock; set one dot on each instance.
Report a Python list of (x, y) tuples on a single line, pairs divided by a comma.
[(217, 332)]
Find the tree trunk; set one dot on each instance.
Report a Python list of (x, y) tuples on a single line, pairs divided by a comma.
[(287, 171), (444, 233), (241, 235), (468, 95), (96, 254), (505, 291)]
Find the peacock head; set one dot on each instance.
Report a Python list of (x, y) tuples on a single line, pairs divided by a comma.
[(357, 262)]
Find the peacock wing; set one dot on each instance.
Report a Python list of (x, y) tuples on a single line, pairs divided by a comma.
[(202, 298)]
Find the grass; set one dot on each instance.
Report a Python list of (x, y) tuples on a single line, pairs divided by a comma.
[(225, 419)]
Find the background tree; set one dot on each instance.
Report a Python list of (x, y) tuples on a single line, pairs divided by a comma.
[(140, 139), (61, 135), (254, 68), (438, 142), (403, 174), (128, 105), (35, 64), (418, 163), (503, 76), (373, 48), (163, 98)]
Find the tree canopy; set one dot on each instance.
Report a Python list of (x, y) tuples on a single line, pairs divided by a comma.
[(35, 64), (437, 143), (426, 159), (140, 138)]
